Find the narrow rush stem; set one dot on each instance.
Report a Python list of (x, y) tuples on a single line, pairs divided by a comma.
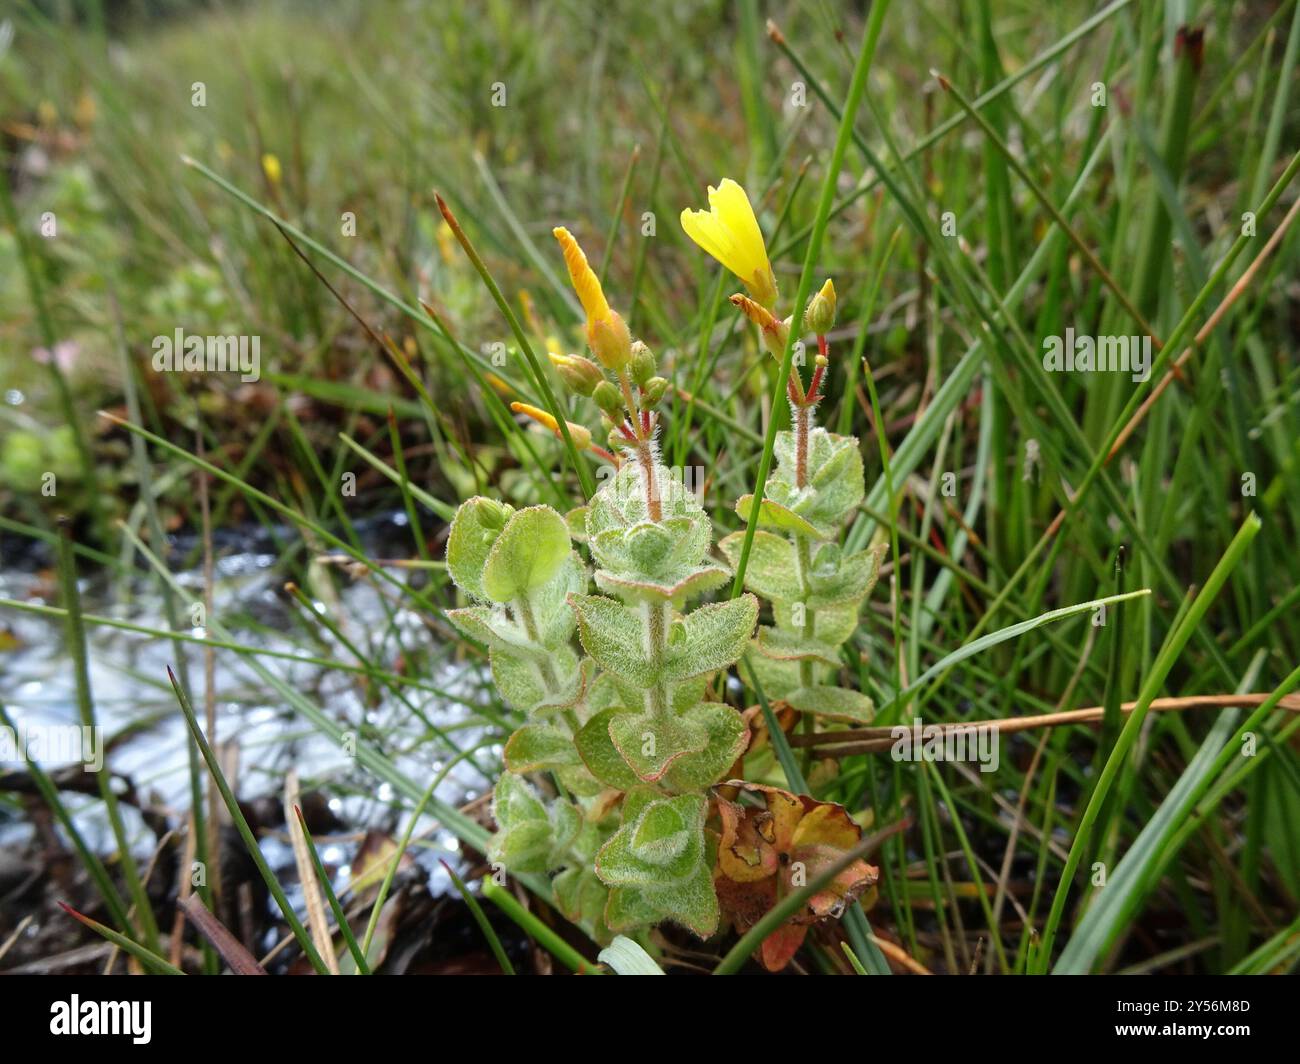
[(803, 553), (875, 740), (76, 640), (807, 677)]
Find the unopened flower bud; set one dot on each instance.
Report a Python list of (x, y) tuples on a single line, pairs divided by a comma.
[(492, 514), (607, 398), (643, 363), (610, 341), (606, 330), (580, 375), (820, 315), (773, 331), (579, 434), (654, 389)]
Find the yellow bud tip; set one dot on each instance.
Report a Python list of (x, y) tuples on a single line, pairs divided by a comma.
[(585, 281), (580, 435), (820, 314), (271, 167), (537, 414)]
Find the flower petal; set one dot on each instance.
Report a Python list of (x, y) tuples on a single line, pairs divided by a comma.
[(705, 228), (585, 281), (732, 206)]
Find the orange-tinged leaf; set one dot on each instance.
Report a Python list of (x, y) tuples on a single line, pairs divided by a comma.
[(745, 854), (779, 948), (826, 824), (766, 854)]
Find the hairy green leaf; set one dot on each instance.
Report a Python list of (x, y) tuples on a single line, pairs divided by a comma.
[(837, 703), (529, 551), (474, 529)]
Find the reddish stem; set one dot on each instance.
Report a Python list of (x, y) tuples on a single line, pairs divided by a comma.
[(814, 389), (653, 507)]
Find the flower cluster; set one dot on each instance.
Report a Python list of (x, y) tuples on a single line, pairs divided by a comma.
[(623, 722), (795, 562)]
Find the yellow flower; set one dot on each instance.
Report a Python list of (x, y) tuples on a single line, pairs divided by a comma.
[(580, 435), (607, 332), (271, 167), (729, 232)]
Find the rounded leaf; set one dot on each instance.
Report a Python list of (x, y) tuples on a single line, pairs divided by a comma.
[(529, 551), (474, 530)]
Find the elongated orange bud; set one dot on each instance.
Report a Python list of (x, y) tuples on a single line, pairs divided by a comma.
[(607, 332), (585, 281), (770, 327), (580, 435)]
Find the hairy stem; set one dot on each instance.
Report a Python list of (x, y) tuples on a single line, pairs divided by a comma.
[(525, 610), (802, 426), (656, 627), (644, 452), (645, 456)]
